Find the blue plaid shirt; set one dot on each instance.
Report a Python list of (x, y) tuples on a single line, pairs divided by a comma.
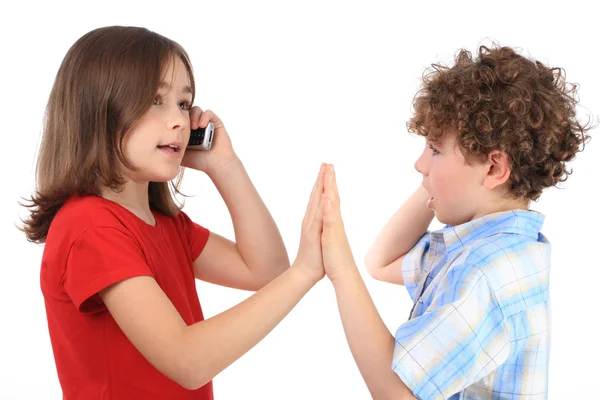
[(480, 326)]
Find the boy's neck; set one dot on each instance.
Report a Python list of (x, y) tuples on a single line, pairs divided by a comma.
[(501, 205)]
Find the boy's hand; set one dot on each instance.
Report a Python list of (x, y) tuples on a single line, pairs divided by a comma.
[(221, 151), (337, 255), (309, 258)]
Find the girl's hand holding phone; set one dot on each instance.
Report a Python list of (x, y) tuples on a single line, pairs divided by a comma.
[(221, 151)]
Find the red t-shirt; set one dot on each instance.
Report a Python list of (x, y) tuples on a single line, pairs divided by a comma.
[(93, 243)]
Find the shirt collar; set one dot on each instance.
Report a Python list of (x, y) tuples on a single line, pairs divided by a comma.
[(521, 222)]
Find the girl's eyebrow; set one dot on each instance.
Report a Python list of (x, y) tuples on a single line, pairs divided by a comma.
[(166, 85)]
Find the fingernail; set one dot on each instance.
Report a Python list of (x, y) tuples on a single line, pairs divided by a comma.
[(327, 205)]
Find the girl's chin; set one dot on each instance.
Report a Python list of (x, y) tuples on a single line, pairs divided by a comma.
[(164, 177)]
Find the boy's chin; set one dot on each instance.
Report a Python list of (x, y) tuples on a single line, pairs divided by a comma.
[(451, 220)]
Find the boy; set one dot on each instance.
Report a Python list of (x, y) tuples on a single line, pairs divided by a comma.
[(499, 129)]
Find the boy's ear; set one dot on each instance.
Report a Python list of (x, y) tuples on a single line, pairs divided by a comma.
[(498, 169)]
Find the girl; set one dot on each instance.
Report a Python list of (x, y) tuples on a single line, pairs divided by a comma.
[(120, 256)]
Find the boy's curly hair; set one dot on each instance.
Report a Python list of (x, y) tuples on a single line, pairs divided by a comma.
[(504, 101)]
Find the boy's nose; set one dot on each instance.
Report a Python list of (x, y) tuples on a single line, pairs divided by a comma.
[(419, 165)]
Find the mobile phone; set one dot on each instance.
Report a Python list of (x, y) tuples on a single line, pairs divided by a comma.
[(201, 138)]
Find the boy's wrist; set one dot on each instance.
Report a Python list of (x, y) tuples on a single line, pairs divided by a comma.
[(344, 274)]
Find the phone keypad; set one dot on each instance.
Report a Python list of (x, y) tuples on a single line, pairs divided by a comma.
[(196, 137)]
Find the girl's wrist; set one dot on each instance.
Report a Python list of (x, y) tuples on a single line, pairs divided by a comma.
[(225, 168)]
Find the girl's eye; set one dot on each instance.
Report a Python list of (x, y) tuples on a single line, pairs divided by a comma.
[(185, 105), (434, 150)]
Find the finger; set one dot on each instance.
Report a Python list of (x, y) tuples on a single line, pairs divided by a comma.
[(314, 202), (205, 118), (318, 186), (195, 114), (330, 189), (317, 211), (331, 200), (313, 220), (332, 182)]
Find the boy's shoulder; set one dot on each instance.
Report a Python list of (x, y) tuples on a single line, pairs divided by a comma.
[(516, 268), (508, 248), (488, 253), (496, 238)]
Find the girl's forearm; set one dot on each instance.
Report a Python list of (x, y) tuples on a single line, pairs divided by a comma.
[(257, 237), (212, 345)]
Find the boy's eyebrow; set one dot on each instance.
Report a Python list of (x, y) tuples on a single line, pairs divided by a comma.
[(166, 85)]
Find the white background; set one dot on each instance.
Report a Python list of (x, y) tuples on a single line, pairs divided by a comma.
[(297, 84)]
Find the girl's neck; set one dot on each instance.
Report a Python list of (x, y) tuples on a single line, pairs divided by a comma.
[(134, 197)]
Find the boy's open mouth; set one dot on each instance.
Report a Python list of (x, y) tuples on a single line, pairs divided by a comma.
[(430, 202)]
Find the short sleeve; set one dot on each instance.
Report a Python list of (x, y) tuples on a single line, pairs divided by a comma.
[(197, 235), (413, 265), (459, 340), (99, 258)]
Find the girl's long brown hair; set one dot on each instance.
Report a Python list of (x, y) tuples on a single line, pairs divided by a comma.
[(106, 82)]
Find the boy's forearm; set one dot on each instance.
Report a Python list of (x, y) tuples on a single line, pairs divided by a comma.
[(212, 345), (370, 341), (257, 237), (402, 231)]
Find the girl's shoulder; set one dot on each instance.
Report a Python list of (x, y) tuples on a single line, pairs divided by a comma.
[(82, 213), (89, 211)]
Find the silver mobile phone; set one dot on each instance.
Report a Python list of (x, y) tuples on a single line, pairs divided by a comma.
[(201, 138)]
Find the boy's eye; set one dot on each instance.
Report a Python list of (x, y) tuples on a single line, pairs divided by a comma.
[(434, 150), (185, 105)]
